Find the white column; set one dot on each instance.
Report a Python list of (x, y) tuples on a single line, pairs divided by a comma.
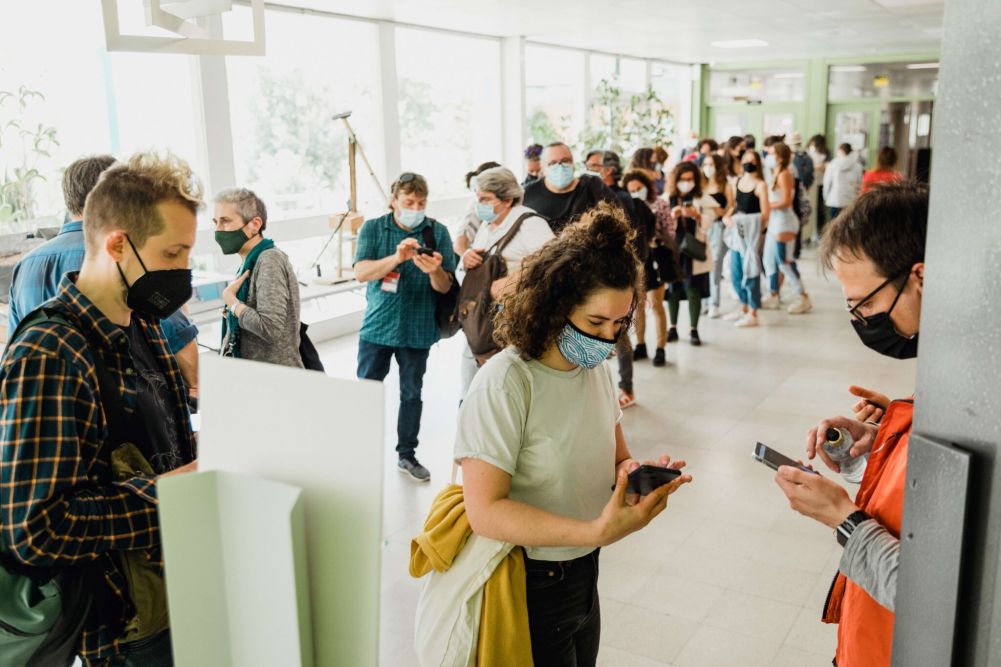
[(212, 95), (389, 88), (515, 136)]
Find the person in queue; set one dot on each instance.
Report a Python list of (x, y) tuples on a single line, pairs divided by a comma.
[(539, 438), (561, 197), (876, 248)]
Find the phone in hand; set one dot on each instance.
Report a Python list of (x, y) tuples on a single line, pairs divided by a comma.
[(771, 458), (422, 250), (687, 203), (645, 479)]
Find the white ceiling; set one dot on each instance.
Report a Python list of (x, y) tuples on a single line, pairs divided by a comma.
[(678, 30)]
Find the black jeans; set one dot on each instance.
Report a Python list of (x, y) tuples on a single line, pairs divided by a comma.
[(149, 652), (373, 364), (564, 615)]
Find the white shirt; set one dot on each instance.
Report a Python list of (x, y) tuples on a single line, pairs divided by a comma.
[(552, 431), (533, 234)]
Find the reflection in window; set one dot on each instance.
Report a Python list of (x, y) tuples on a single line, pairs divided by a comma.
[(765, 85), (285, 144), (882, 81), (449, 106)]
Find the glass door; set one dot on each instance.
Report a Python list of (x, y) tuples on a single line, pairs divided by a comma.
[(856, 124)]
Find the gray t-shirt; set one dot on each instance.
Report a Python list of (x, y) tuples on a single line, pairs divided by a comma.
[(552, 431)]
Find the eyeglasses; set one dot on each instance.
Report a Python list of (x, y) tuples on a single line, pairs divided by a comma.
[(853, 310), (566, 162)]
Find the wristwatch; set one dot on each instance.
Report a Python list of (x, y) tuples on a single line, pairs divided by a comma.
[(848, 526)]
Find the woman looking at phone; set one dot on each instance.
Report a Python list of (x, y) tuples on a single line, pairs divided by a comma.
[(539, 438)]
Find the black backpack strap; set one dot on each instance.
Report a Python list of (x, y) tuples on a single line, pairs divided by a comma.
[(111, 397)]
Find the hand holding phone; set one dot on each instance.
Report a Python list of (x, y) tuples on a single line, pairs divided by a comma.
[(774, 460), (645, 479), (427, 252)]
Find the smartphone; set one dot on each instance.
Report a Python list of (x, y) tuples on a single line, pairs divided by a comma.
[(646, 478), (425, 251), (687, 203), (771, 458)]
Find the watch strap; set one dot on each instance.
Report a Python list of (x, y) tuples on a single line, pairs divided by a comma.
[(848, 526)]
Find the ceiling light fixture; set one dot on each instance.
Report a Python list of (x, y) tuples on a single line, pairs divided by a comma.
[(848, 68), (923, 66), (788, 75), (739, 44)]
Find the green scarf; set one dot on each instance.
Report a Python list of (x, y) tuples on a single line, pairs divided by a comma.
[(230, 323)]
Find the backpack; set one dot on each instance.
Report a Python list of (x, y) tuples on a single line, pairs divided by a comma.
[(43, 610), (804, 168), (476, 306), (445, 304), (801, 206)]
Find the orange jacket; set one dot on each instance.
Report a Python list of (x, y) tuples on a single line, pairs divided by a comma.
[(865, 630)]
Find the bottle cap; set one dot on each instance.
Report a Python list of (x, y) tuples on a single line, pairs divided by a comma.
[(833, 435)]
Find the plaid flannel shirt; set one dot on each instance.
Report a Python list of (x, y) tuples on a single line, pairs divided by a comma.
[(58, 505)]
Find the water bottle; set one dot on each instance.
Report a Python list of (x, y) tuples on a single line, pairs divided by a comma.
[(838, 446)]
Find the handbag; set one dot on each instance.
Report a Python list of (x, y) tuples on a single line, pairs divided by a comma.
[(693, 247), (43, 610), (476, 304), (445, 315)]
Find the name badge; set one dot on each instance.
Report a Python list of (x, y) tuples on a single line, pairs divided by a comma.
[(391, 283)]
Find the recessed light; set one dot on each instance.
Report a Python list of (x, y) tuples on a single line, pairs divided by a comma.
[(923, 66), (848, 68), (739, 44), (788, 75)]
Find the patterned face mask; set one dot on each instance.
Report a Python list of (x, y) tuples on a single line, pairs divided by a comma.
[(583, 349)]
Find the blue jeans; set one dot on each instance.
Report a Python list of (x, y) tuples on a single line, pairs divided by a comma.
[(564, 614), (373, 364), (149, 652), (748, 290), (718, 248)]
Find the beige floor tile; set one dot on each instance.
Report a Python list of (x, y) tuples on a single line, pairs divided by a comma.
[(715, 647), (614, 657), (793, 657), (808, 633), (647, 633), (754, 616), (676, 595)]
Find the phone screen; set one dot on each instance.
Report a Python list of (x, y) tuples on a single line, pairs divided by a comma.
[(645, 479), (774, 460)]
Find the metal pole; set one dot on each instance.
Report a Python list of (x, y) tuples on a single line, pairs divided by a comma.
[(371, 172)]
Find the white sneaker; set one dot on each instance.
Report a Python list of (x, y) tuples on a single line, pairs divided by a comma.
[(801, 307), (714, 313), (771, 302), (734, 315), (748, 320)]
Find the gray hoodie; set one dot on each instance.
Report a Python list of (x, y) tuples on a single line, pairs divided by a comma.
[(842, 181)]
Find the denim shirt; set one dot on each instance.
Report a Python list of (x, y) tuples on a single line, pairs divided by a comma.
[(37, 276)]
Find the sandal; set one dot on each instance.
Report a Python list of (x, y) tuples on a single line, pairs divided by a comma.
[(626, 400)]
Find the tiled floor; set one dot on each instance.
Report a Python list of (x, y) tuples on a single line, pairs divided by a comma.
[(728, 575)]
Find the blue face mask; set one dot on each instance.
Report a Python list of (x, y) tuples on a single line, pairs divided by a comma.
[(485, 212), (560, 175), (582, 349), (410, 217), (770, 161)]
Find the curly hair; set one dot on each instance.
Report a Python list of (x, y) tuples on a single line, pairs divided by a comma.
[(592, 254), (644, 178), (681, 169)]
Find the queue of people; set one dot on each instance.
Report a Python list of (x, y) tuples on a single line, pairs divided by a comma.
[(100, 374)]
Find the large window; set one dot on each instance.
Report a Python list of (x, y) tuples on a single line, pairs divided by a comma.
[(286, 145), (554, 93), (92, 102), (673, 85), (450, 106)]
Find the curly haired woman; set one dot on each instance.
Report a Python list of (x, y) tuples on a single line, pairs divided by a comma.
[(539, 438)]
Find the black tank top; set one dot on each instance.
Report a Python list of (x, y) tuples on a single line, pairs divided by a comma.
[(747, 202)]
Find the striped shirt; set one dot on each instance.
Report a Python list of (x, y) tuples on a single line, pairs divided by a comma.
[(58, 503)]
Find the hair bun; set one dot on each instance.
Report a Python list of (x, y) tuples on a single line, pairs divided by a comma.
[(607, 227)]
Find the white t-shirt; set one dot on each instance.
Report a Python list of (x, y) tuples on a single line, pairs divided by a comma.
[(552, 431), (533, 234), (781, 220)]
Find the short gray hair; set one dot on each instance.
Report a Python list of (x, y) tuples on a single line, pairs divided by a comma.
[(248, 204), (501, 182)]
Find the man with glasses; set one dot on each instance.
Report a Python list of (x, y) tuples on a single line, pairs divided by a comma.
[(876, 249), (560, 196), (407, 260)]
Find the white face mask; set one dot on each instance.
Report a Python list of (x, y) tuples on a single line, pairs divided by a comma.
[(684, 187), (709, 171)]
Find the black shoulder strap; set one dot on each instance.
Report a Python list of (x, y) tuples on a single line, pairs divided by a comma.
[(511, 233), (111, 398)]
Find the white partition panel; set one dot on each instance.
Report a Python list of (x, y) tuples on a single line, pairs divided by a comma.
[(235, 554), (324, 435)]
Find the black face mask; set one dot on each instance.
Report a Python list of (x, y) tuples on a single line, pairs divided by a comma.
[(878, 333), (156, 294), (750, 167)]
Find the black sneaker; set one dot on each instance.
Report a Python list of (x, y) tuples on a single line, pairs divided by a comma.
[(696, 341), (639, 352), (658, 358), (409, 465), (672, 334)]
